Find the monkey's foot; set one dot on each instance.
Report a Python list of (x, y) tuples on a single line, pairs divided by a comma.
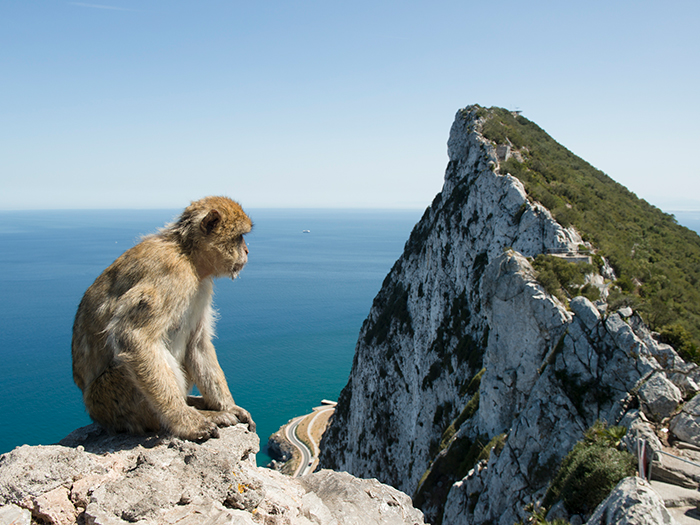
[(191, 425)]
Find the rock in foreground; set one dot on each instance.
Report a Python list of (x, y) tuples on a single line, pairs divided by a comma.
[(633, 502), (92, 477)]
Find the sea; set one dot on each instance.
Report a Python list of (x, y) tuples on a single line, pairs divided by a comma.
[(287, 325)]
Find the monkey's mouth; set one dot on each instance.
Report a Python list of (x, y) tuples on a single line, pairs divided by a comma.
[(236, 270)]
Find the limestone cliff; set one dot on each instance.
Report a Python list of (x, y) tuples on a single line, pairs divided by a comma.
[(464, 356)]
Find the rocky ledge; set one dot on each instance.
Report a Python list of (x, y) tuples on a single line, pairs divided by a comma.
[(94, 478)]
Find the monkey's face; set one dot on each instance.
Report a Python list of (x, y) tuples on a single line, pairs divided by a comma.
[(224, 228), (236, 258)]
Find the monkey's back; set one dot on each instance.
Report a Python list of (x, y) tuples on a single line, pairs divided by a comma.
[(129, 297)]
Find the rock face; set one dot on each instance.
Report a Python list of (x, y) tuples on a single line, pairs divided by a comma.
[(686, 425), (660, 396), (470, 383), (91, 477)]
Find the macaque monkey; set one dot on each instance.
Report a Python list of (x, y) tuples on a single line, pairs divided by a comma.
[(142, 333)]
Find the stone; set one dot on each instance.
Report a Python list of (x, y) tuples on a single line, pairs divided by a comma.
[(586, 310), (625, 312), (674, 470), (685, 383), (14, 515), (659, 396), (558, 511), (462, 318), (675, 496), (632, 502), (42, 469), (313, 508), (55, 507), (83, 488), (369, 502), (686, 425), (638, 427), (97, 478)]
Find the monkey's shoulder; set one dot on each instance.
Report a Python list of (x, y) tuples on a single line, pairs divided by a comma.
[(143, 282), (152, 261)]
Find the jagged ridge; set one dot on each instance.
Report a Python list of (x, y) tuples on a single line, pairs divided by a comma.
[(464, 352)]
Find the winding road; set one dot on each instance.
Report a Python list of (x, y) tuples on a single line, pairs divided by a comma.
[(308, 457), (291, 434)]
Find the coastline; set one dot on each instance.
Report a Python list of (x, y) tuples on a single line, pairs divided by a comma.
[(294, 448)]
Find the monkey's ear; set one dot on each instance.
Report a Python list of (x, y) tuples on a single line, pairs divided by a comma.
[(210, 221)]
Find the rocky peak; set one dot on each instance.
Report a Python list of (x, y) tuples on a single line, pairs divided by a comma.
[(471, 382)]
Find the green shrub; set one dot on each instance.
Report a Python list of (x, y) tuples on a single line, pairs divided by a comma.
[(473, 385), (496, 444), (590, 292), (679, 338), (591, 470), (537, 516), (563, 279), (657, 261)]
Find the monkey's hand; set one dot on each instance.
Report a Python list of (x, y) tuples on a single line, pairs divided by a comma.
[(227, 418), (193, 426), (244, 417)]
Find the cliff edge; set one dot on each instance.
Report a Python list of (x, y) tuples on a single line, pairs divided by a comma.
[(94, 478)]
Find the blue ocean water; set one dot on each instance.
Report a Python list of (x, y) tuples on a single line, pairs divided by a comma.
[(287, 329)]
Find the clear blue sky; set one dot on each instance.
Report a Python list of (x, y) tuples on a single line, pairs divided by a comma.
[(151, 104)]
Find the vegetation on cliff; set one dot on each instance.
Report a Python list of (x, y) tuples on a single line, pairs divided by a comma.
[(657, 261), (564, 279), (591, 470)]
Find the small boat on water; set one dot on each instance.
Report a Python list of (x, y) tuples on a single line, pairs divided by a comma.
[(306, 231)]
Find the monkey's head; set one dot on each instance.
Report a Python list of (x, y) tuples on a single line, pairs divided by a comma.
[(211, 231)]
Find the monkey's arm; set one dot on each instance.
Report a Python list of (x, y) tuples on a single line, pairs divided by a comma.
[(149, 368), (217, 402), (138, 335)]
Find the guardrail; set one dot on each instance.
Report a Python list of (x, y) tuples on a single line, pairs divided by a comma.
[(646, 454)]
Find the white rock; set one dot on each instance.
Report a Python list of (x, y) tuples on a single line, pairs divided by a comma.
[(638, 428), (659, 396), (14, 515), (586, 310), (55, 507), (686, 425), (632, 502), (462, 297), (685, 383), (161, 480), (625, 311)]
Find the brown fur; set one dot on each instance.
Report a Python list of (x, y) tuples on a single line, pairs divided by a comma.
[(142, 333)]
